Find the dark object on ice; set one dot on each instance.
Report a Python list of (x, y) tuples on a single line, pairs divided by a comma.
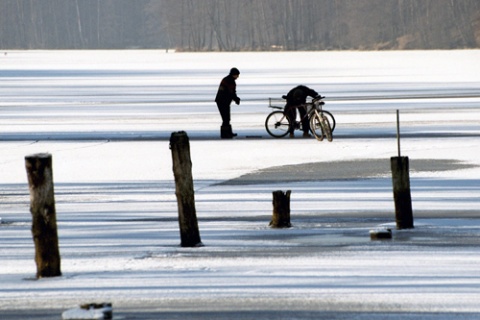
[(281, 209), (103, 311), (42, 208), (380, 234), (182, 171), (401, 192), (88, 306)]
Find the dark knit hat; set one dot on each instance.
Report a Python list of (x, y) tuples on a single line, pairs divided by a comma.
[(234, 72)]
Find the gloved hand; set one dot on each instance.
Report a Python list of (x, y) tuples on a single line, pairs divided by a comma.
[(237, 100)]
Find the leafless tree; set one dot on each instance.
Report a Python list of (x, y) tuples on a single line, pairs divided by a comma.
[(232, 25)]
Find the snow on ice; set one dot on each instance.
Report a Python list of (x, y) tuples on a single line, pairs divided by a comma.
[(106, 117)]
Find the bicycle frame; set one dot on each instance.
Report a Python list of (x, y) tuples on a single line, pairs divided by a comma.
[(316, 104), (311, 108)]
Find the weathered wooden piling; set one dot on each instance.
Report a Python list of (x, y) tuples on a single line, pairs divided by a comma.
[(42, 208), (401, 186), (401, 192), (182, 170), (281, 209)]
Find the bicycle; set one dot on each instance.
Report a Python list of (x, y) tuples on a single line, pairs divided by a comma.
[(322, 122)]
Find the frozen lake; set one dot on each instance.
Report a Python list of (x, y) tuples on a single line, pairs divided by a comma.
[(106, 118)]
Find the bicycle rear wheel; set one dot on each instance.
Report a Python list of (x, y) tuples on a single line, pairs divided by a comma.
[(277, 124)]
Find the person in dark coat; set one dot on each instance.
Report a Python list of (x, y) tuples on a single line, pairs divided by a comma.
[(227, 92), (295, 98)]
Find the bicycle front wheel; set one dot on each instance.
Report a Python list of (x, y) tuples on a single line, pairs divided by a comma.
[(277, 124), (328, 115), (327, 129), (316, 127)]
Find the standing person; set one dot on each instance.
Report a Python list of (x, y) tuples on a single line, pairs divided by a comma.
[(295, 98), (227, 92)]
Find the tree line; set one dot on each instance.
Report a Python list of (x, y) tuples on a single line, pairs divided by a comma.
[(233, 25)]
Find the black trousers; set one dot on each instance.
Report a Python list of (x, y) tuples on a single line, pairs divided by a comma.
[(224, 110), (291, 112)]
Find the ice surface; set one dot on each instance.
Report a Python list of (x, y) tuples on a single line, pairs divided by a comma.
[(106, 117)]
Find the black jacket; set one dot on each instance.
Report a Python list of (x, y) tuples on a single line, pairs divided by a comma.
[(227, 91), (299, 94)]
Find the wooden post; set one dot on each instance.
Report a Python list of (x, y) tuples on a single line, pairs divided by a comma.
[(401, 192), (398, 133), (182, 170), (281, 210), (42, 208)]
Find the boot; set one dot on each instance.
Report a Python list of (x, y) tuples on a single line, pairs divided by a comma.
[(231, 133), (226, 132)]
